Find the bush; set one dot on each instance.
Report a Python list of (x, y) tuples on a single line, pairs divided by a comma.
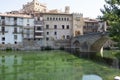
[(61, 48), (8, 49), (46, 48), (107, 48)]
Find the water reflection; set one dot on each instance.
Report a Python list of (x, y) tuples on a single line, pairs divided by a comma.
[(16, 67)]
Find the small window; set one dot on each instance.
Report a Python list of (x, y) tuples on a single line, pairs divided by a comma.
[(47, 26), (55, 33), (39, 28), (55, 26), (3, 38), (59, 19), (63, 26), (68, 37), (53, 18), (15, 30), (56, 19), (3, 42), (67, 26), (47, 18), (2, 17), (47, 38), (50, 18), (67, 19), (15, 42), (38, 19), (3, 29), (47, 33), (15, 37), (3, 33)]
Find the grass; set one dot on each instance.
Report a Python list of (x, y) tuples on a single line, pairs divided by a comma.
[(110, 53), (50, 65)]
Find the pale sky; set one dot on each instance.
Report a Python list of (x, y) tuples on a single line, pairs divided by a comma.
[(89, 8)]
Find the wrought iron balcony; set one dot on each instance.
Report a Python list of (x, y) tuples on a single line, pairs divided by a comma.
[(3, 31)]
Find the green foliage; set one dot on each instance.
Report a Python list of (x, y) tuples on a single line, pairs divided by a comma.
[(46, 48), (111, 14), (62, 48), (8, 49)]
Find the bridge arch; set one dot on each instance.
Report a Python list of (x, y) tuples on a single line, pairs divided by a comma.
[(76, 44), (98, 45)]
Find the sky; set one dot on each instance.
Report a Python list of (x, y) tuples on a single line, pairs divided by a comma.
[(89, 8)]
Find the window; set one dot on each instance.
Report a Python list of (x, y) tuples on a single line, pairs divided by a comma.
[(15, 30), (47, 33), (15, 37), (28, 24), (47, 18), (63, 26), (3, 29), (38, 19), (3, 33), (68, 37), (56, 18), (62, 19), (53, 18), (55, 26), (3, 38), (67, 26), (55, 33), (59, 19), (67, 19), (3, 42), (38, 34), (47, 26), (50, 18), (39, 28), (47, 38), (15, 42), (2, 17), (15, 18)]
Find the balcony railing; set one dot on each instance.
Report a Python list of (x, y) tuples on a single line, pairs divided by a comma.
[(39, 22), (39, 36), (3, 31), (17, 32), (3, 22)]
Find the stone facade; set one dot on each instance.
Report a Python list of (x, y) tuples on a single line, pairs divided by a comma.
[(58, 26), (34, 6), (94, 25)]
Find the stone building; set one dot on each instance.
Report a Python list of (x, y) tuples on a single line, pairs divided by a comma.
[(34, 6), (52, 27), (94, 25)]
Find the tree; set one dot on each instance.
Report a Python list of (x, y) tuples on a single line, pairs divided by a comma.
[(111, 14)]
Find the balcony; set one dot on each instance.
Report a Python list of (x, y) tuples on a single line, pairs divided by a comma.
[(17, 32), (3, 31), (39, 31), (3, 22), (39, 36), (39, 22)]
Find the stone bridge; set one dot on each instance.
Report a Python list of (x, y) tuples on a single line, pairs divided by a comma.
[(92, 42)]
